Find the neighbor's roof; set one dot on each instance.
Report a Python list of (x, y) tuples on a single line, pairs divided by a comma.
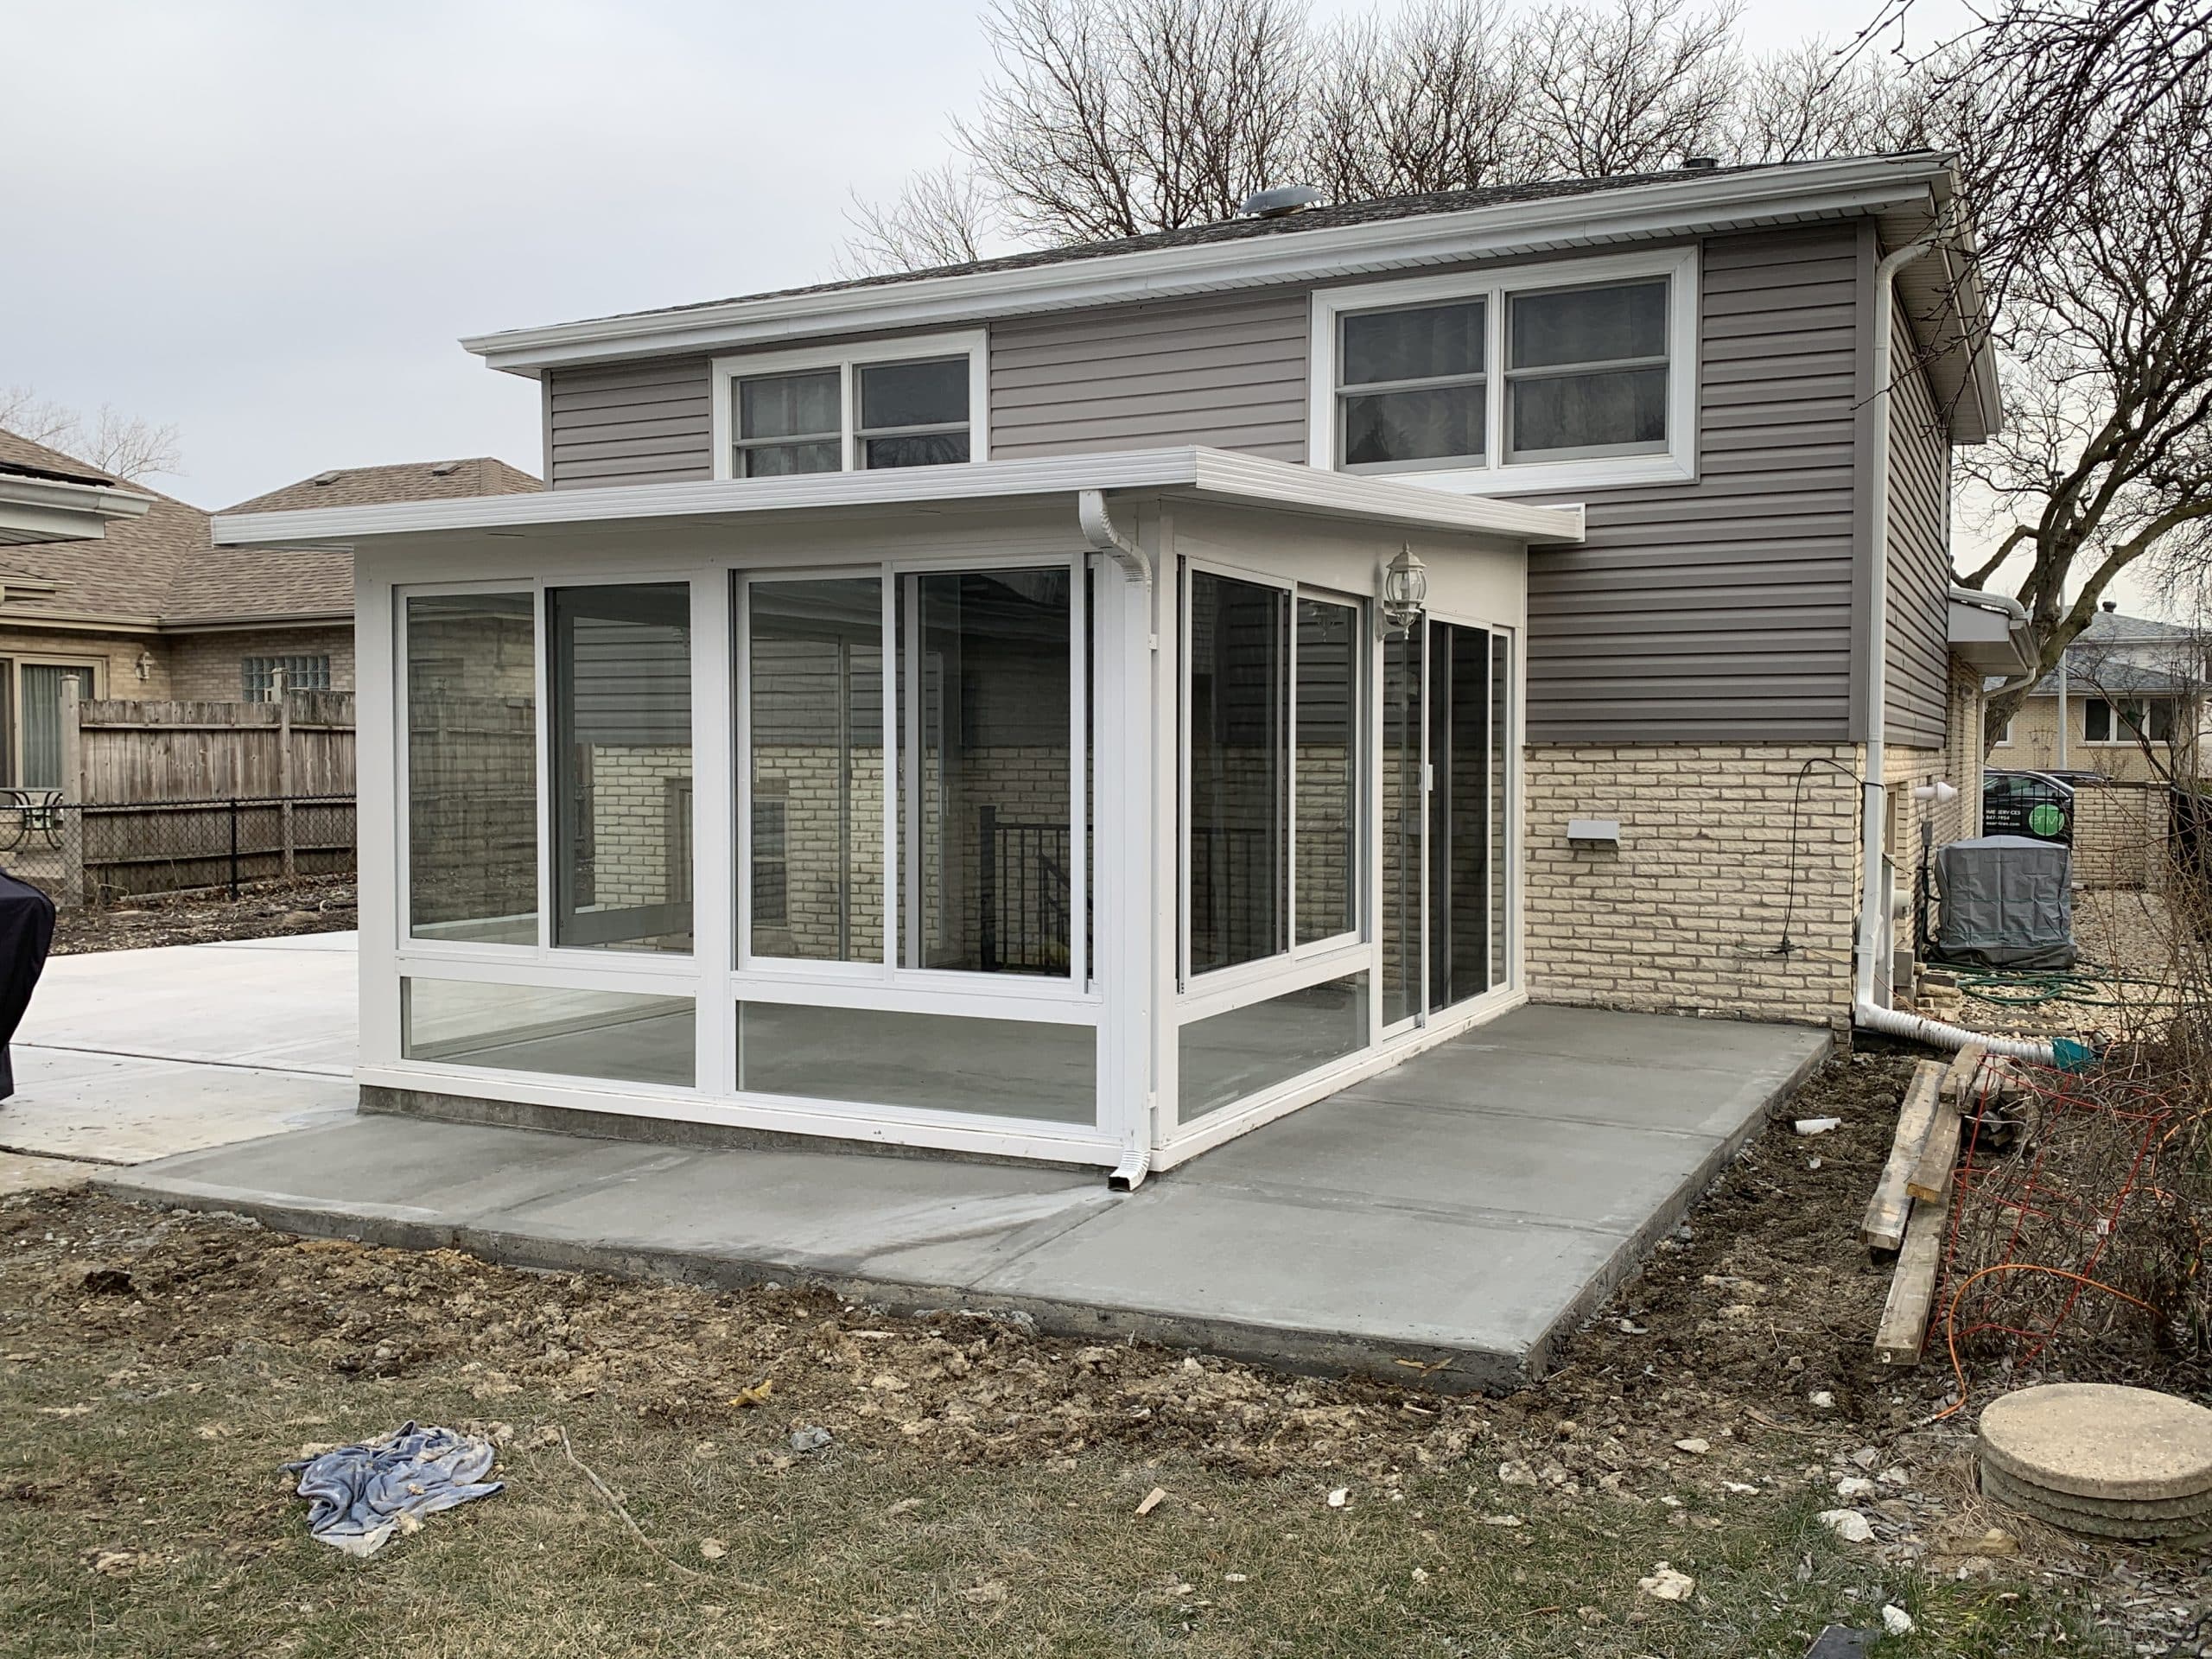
[(412, 480), (163, 570), (1905, 193)]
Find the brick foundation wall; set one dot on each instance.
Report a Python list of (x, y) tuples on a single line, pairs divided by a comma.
[(1684, 916)]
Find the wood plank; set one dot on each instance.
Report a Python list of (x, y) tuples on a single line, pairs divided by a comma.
[(1931, 1177), (1883, 1227), (1958, 1080), (1903, 1330)]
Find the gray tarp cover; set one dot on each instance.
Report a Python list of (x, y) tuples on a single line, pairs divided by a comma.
[(2007, 902)]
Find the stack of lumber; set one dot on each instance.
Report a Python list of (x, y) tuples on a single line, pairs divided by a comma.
[(1910, 1212)]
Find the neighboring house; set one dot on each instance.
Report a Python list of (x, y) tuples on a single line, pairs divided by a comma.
[(2133, 709), (1084, 704), (144, 604)]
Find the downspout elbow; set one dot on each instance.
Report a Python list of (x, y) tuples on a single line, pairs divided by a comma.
[(1099, 532)]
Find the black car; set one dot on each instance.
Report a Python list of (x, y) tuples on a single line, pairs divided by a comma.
[(2031, 803)]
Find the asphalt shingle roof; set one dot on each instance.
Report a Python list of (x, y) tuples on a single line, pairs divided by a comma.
[(164, 568)]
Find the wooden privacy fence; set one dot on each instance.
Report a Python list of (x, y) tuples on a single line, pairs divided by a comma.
[(161, 795)]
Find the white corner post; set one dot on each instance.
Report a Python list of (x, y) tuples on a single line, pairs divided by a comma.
[(1122, 831), (379, 800)]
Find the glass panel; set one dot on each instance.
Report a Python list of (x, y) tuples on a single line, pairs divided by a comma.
[(947, 1063), (2096, 717), (1328, 774), (1233, 1056), (1435, 340), (1458, 812), (1235, 842), (1501, 786), (471, 767), (621, 690), (1588, 325), (788, 459), (817, 702), (788, 405), (917, 449), (1588, 411), (987, 814), (8, 723), (42, 683), (913, 394), (1440, 423), (602, 1034), (1402, 824)]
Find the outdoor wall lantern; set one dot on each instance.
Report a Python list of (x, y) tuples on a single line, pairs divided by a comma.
[(145, 665), (1405, 589)]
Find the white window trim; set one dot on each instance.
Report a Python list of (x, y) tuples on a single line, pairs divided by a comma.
[(973, 343), (1676, 463)]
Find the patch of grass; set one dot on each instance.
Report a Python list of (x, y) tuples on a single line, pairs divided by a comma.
[(169, 1472)]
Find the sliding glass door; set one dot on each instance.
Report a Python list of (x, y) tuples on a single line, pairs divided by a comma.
[(1444, 778)]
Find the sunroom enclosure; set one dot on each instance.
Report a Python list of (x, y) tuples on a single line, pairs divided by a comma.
[(1091, 810)]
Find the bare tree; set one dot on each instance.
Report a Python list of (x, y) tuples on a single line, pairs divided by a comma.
[(1630, 87), (946, 216), (1113, 117), (2106, 461), (126, 446), (1816, 101), (1437, 99)]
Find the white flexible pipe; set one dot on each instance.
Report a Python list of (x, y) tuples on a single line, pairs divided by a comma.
[(1893, 1023)]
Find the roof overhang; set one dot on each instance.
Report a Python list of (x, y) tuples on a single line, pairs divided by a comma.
[(1909, 185), (1989, 633), (1192, 473), (55, 509), (1942, 294)]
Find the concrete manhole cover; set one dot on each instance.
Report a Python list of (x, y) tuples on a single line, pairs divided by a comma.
[(2099, 1441)]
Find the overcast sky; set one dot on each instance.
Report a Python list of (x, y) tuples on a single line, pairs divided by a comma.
[(268, 223)]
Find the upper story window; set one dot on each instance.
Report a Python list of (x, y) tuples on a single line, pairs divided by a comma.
[(901, 403), (1531, 378)]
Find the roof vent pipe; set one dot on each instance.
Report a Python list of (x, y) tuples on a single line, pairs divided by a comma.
[(1700, 163), (1284, 199)]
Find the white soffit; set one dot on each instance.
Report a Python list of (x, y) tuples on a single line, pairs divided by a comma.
[(1784, 194), (57, 510), (1210, 474)]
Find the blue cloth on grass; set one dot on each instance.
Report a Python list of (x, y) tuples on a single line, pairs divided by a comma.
[(357, 1495)]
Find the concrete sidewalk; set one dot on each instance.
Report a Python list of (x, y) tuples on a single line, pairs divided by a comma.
[(1461, 1212), (132, 1055)]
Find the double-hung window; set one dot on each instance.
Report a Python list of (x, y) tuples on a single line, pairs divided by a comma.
[(1572, 375), (904, 402)]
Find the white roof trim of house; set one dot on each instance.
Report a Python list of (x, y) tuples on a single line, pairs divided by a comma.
[(1726, 201), (1989, 633), (1216, 475), (54, 510)]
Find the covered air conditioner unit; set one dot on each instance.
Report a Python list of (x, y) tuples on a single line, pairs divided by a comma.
[(2007, 901)]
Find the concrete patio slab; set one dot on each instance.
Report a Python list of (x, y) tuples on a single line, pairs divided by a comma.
[(30, 1174), (127, 1056), (1461, 1213)]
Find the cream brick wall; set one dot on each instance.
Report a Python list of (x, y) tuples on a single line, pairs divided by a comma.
[(206, 665), (1686, 914)]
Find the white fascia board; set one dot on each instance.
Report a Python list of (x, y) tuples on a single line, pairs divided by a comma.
[(1726, 201), (1213, 474)]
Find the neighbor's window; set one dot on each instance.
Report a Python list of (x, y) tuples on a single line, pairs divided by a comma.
[(471, 767), (2133, 720), (1586, 372), (788, 414), (258, 676)]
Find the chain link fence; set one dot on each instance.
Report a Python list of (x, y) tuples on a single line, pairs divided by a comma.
[(98, 854)]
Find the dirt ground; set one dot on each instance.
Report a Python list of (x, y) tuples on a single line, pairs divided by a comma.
[(269, 910), (983, 1490)]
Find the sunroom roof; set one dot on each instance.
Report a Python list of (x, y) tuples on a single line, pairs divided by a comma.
[(1190, 473)]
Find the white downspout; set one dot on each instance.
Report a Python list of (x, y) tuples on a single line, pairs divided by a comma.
[(1874, 813)]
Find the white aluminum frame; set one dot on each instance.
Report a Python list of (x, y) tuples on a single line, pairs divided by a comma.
[(974, 344), (1498, 475)]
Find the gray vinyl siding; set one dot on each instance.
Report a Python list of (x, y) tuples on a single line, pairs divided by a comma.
[(629, 423), (1917, 684), (1228, 371), (1719, 610)]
